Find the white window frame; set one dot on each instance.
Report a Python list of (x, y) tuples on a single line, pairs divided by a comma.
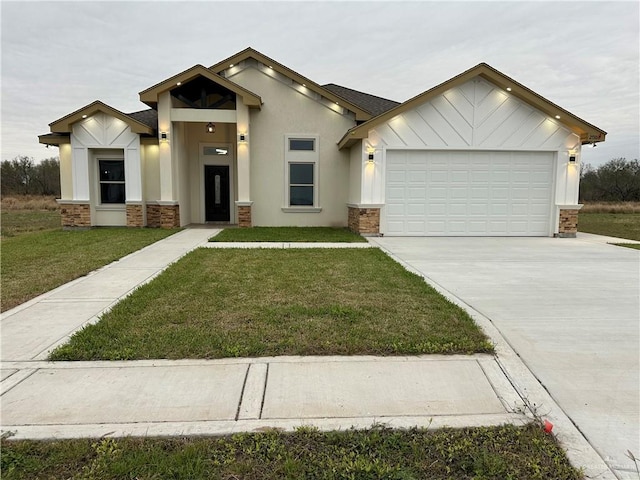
[(302, 156)]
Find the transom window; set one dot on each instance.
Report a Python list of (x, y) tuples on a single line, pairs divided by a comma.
[(302, 144), (112, 182)]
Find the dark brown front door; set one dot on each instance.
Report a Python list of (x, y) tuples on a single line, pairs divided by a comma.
[(216, 193)]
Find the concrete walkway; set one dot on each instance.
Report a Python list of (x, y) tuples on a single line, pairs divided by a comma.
[(43, 399), (570, 308)]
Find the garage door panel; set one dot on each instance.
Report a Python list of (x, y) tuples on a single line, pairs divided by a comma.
[(468, 193)]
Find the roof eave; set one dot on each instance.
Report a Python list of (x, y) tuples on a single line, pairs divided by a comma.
[(151, 94), (361, 115), (63, 125), (588, 133)]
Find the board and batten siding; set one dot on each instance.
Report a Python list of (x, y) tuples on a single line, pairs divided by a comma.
[(104, 133), (475, 116)]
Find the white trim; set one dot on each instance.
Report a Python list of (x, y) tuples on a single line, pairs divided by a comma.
[(365, 205), (117, 155), (202, 115), (302, 156), (301, 209), (570, 207), (224, 160)]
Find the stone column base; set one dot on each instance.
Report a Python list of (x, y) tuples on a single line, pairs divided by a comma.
[(365, 221), (568, 224), (135, 215), (163, 216), (244, 216), (74, 215)]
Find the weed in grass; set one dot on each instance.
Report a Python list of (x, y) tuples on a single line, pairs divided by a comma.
[(503, 452)]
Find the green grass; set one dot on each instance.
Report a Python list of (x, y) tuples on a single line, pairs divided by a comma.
[(287, 234), (504, 452), (247, 303), (34, 263), (622, 225), (628, 245), (19, 222)]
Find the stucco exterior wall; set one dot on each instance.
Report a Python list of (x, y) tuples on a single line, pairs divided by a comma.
[(66, 179), (151, 172), (287, 111), (356, 162)]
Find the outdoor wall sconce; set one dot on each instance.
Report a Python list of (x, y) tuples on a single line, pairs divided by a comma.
[(242, 137), (370, 158), (163, 137), (572, 159), (211, 128)]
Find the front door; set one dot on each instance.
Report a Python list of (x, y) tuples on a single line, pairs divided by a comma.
[(216, 193)]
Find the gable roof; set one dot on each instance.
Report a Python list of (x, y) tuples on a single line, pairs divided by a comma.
[(371, 103), (149, 117), (588, 133), (63, 125), (361, 114), (150, 95)]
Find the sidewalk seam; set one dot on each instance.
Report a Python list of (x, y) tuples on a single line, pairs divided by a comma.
[(264, 391), (244, 384)]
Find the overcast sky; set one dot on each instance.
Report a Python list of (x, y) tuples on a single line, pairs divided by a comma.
[(60, 56)]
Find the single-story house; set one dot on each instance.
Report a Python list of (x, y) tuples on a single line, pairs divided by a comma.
[(249, 141)]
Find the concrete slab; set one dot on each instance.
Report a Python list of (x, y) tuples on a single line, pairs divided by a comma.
[(119, 395), (286, 245), (110, 283), (6, 373), (569, 307), (30, 331), (316, 390)]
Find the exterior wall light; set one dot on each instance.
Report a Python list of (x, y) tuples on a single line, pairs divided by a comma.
[(164, 137), (572, 159), (242, 138), (211, 128), (370, 158)]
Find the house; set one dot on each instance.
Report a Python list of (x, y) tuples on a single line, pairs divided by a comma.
[(249, 141)]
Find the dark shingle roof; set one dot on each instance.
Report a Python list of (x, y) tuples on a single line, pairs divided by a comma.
[(148, 117), (372, 104)]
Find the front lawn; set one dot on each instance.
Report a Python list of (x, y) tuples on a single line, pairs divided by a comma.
[(622, 225), (287, 234), (34, 263), (499, 453), (248, 303)]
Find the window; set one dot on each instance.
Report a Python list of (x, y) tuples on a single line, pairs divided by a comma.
[(301, 184), (304, 144), (301, 170), (111, 181)]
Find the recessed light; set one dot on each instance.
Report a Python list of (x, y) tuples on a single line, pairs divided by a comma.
[(270, 66), (179, 83), (558, 117), (84, 116), (231, 65), (337, 103), (508, 89), (304, 84)]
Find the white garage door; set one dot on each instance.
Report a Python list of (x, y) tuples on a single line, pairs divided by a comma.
[(473, 193)]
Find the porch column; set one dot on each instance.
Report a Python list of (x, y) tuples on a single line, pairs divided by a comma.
[(244, 166), (166, 213)]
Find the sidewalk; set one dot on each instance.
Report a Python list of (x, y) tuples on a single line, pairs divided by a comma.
[(44, 400)]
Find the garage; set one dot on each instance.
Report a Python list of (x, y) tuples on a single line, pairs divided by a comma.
[(468, 193)]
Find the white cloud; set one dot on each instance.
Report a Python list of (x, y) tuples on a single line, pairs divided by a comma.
[(59, 56)]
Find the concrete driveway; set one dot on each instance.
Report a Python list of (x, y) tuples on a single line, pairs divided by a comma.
[(570, 309)]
